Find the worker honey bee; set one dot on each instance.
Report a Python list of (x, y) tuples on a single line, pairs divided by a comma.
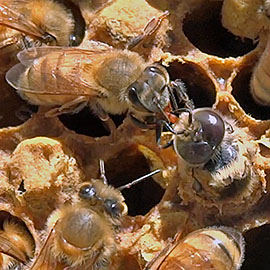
[(111, 81), (82, 234), (16, 245), (215, 248), (260, 79), (27, 23), (219, 156)]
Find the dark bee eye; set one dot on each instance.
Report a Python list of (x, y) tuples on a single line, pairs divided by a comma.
[(193, 152), (87, 192), (212, 125), (212, 129), (133, 96), (112, 208)]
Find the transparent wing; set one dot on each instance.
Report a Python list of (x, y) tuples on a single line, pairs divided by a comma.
[(15, 20), (56, 71)]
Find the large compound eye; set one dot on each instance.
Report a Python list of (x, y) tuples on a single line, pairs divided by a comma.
[(133, 96), (196, 153), (198, 150), (113, 208), (213, 127), (150, 92), (87, 191)]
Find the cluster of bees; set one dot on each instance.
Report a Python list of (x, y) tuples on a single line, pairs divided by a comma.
[(53, 72)]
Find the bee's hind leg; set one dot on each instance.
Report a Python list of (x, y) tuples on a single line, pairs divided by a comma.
[(73, 106), (105, 118)]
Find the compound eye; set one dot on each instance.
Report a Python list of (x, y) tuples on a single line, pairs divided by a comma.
[(113, 208), (154, 71), (133, 96), (212, 125), (87, 192), (195, 153)]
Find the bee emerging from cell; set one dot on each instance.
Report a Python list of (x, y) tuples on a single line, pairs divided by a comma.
[(216, 160), (213, 248)]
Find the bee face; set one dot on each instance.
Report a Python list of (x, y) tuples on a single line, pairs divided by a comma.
[(109, 200), (150, 90), (219, 248), (82, 234), (217, 171), (198, 139)]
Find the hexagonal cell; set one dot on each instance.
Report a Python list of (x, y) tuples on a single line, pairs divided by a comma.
[(198, 85), (188, 41), (241, 92), (204, 30), (86, 123), (127, 166), (257, 248)]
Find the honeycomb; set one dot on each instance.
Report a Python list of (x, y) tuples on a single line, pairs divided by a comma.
[(213, 46)]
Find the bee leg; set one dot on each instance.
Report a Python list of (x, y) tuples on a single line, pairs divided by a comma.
[(148, 30), (110, 126), (181, 92), (73, 106), (105, 117)]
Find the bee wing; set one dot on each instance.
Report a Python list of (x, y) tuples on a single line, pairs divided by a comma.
[(45, 259), (28, 56), (15, 20), (9, 248), (61, 71)]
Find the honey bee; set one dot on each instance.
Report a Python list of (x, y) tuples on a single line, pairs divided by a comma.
[(111, 81), (16, 245), (215, 248), (219, 156), (25, 23), (82, 234), (260, 79)]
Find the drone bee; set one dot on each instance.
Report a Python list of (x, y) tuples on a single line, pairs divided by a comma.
[(219, 156), (111, 81), (215, 248), (16, 245), (27, 23)]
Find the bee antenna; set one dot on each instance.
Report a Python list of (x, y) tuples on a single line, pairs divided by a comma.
[(102, 171), (140, 179)]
